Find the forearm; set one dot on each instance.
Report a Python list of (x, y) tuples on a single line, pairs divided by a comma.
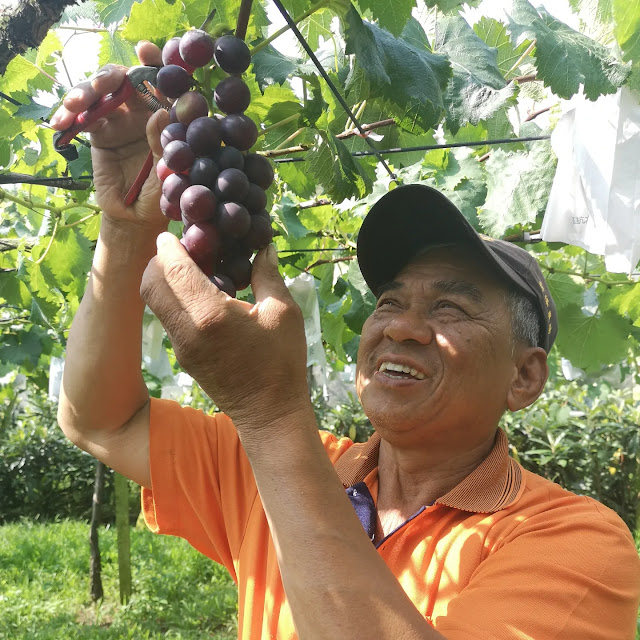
[(102, 384), (336, 583)]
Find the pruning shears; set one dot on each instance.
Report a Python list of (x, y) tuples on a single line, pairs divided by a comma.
[(141, 79)]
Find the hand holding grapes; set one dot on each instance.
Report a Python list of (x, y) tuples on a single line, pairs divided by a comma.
[(251, 359), (119, 143)]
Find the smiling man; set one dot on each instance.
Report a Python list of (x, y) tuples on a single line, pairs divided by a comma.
[(429, 530)]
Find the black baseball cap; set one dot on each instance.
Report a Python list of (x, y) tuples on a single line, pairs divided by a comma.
[(412, 217)]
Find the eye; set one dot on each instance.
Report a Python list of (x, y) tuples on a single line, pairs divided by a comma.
[(385, 302), (447, 305)]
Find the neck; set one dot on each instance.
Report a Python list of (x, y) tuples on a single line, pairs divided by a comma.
[(410, 478)]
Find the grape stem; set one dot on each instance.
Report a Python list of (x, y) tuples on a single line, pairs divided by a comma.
[(276, 34), (274, 153), (279, 124)]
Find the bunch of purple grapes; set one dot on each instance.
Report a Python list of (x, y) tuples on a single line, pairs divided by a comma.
[(209, 181)]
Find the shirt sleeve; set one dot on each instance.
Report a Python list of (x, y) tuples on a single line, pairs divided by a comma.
[(571, 575), (203, 487)]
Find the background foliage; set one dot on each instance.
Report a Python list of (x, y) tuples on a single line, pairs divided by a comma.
[(439, 77)]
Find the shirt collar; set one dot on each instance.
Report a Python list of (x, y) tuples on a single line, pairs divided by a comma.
[(494, 484)]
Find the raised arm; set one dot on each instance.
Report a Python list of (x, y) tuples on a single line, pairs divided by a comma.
[(104, 402)]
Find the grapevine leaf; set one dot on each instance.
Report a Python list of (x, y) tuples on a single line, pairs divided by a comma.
[(450, 6), (565, 58), (32, 111), (335, 169), (624, 300), (591, 341), (287, 212), (518, 187), (317, 25), (363, 301), (114, 49), (392, 16), (17, 76), (45, 58), (82, 165), (272, 67), (154, 20), (626, 16), (564, 290), (298, 180), (409, 78), (477, 89), (112, 11), (13, 290), (69, 260), (414, 34), (494, 34)]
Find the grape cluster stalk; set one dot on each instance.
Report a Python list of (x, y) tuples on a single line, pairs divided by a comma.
[(209, 180)]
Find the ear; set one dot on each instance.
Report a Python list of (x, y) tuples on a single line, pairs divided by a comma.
[(530, 377)]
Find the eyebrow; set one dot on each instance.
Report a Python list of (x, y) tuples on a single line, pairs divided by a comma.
[(460, 287), (457, 287)]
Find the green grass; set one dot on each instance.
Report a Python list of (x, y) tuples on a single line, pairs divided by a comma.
[(44, 587), (178, 593)]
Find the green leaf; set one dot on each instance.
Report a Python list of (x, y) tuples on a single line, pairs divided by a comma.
[(363, 301), (286, 211), (335, 169), (565, 290), (494, 34), (317, 25), (17, 75), (82, 165), (449, 6), (32, 111), (69, 260), (477, 89), (154, 20), (272, 67), (114, 49), (392, 16), (624, 300), (626, 17), (518, 187), (300, 181), (409, 78), (565, 58), (591, 341), (112, 11)]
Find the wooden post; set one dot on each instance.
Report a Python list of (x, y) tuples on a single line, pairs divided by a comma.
[(124, 541), (95, 579)]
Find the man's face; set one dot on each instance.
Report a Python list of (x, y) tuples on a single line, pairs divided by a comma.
[(445, 319)]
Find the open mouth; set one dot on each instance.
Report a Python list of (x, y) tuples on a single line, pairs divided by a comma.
[(400, 371)]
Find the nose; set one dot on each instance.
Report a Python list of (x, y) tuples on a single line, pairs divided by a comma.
[(409, 326)]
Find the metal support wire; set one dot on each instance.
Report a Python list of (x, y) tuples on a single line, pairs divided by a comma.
[(449, 145), (336, 93)]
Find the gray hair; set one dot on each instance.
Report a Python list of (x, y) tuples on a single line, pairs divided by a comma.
[(525, 320)]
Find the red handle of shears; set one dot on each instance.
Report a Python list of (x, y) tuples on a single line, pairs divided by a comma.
[(105, 105)]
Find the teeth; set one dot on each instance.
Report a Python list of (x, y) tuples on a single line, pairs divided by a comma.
[(391, 366)]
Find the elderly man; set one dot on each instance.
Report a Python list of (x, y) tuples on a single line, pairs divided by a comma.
[(429, 530)]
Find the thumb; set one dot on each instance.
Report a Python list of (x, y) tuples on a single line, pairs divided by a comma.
[(155, 125), (266, 280)]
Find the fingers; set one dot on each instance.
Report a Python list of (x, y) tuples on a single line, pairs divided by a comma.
[(149, 54), (173, 285), (156, 123), (83, 95), (266, 280)]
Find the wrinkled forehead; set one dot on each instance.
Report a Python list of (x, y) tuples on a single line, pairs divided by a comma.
[(465, 260)]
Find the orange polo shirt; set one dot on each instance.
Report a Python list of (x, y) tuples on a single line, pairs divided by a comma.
[(505, 555)]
